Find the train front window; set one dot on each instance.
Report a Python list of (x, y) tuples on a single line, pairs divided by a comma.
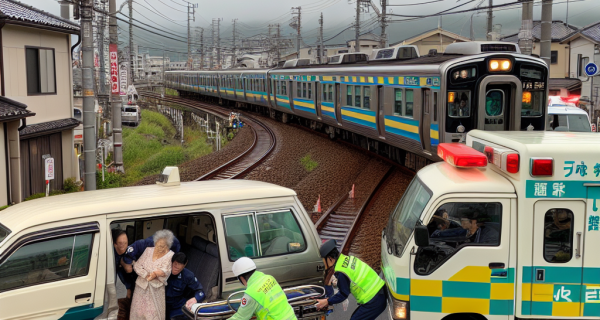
[(533, 103), (494, 103), (459, 104)]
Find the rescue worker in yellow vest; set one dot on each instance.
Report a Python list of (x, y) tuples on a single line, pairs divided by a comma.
[(263, 296), (353, 276)]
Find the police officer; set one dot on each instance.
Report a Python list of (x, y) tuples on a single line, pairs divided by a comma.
[(182, 287), (263, 296), (356, 277)]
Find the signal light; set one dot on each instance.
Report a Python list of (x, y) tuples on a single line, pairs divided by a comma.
[(512, 162), (542, 167), (451, 96), (526, 97), (461, 156)]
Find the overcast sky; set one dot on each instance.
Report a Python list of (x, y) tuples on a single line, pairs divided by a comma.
[(254, 16)]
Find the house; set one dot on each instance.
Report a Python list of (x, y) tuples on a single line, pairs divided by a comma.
[(585, 48), (559, 54), (437, 39), (367, 42), (35, 79)]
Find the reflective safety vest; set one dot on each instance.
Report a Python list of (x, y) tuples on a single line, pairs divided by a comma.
[(271, 298), (364, 281)]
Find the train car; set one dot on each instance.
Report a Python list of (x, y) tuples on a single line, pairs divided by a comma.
[(409, 103)]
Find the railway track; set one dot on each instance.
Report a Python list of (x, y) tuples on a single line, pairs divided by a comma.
[(342, 219), (237, 168)]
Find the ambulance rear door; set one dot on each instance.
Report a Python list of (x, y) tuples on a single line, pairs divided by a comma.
[(591, 258), (556, 274)]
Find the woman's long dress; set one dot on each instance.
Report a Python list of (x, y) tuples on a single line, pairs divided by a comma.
[(149, 296)]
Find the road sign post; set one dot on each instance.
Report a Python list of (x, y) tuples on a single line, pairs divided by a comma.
[(591, 69), (48, 171)]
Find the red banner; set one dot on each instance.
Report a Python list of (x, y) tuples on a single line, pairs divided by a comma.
[(114, 69)]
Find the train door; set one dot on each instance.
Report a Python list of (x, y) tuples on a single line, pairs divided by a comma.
[(317, 99), (425, 126), (497, 107), (338, 102), (381, 111), (434, 132), (290, 93)]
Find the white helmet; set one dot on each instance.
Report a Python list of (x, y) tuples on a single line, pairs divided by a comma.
[(243, 265)]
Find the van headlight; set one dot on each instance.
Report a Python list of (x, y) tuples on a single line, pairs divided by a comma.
[(399, 309)]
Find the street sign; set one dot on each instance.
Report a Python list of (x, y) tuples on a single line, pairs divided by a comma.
[(49, 168), (591, 69), (114, 69)]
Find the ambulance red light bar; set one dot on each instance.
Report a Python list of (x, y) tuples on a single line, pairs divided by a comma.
[(461, 156), (542, 167), (504, 159)]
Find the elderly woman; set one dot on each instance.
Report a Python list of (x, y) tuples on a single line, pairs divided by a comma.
[(153, 269)]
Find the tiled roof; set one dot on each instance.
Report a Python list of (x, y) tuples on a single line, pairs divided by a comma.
[(560, 30), (592, 31), (10, 109), (19, 12), (48, 127), (567, 83)]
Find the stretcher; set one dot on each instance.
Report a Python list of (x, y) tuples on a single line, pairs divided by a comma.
[(301, 298)]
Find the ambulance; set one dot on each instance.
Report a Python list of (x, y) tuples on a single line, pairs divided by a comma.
[(506, 227)]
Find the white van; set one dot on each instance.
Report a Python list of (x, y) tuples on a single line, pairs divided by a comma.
[(57, 256), (566, 116)]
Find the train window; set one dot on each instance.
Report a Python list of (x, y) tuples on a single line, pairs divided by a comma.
[(558, 235), (409, 103), (367, 99), (398, 102), (284, 88), (459, 104), (435, 109), (304, 90), (310, 91), (357, 95), (533, 103), (299, 89), (494, 103), (331, 92), (349, 96)]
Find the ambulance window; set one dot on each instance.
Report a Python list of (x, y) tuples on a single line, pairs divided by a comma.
[(455, 226), (240, 233), (279, 233), (46, 261), (558, 235)]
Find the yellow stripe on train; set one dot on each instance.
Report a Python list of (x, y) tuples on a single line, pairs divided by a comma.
[(304, 104), (401, 126), (358, 115)]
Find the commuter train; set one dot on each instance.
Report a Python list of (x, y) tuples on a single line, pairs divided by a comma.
[(400, 104)]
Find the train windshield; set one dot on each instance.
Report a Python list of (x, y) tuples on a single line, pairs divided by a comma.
[(406, 215)]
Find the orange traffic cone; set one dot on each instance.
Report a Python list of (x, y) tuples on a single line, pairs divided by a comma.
[(351, 194), (318, 205)]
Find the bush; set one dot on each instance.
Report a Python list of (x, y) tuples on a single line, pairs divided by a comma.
[(111, 180), (4, 207), (169, 156), (308, 163), (70, 185)]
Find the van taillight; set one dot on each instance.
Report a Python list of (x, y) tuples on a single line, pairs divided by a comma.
[(542, 167), (512, 163)]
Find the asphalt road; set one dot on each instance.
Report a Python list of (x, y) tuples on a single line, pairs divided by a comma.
[(340, 314)]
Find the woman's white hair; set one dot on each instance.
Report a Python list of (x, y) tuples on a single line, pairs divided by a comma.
[(164, 234)]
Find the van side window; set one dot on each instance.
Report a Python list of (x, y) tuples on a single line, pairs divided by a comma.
[(278, 233), (456, 225), (558, 235), (46, 261)]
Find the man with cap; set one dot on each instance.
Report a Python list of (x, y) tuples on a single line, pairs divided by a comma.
[(356, 277), (183, 288), (263, 296)]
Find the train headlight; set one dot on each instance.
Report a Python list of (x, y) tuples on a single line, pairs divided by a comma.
[(499, 65)]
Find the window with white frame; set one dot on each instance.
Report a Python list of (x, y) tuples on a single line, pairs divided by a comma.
[(358, 96)]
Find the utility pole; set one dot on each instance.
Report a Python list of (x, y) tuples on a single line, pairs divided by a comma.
[(201, 48), (298, 26), (131, 52), (89, 116), (234, 47), (384, 40), (102, 94), (191, 9), (278, 39), (546, 36), (322, 50), (115, 102), (216, 42), (357, 27), (525, 35), (489, 21)]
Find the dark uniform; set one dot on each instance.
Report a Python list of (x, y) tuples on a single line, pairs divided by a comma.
[(180, 288)]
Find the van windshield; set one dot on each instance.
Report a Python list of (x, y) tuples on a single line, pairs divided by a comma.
[(569, 122), (406, 215), (4, 232)]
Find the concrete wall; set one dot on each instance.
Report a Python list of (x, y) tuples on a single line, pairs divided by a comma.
[(47, 107), (560, 69)]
